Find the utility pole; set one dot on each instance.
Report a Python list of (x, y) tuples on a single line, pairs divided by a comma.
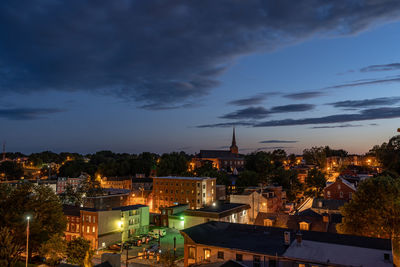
[(174, 247), (27, 242)]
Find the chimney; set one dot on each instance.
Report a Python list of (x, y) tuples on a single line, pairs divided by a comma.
[(299, 238), (286, 236)]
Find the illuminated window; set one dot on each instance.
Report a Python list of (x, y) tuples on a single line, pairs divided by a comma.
[(268, 222), (77, 228), (87, 229), (67, 226), (328, 193), (192, 252), (207, 254), (93, 229), (304, 226)]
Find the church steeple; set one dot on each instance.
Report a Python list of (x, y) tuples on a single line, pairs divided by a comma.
[(234, 149)]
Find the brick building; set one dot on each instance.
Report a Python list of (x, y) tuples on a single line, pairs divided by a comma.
[(341, 189), (117, 182), (195, 191)]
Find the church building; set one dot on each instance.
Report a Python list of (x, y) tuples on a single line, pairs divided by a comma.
[(227, 160)]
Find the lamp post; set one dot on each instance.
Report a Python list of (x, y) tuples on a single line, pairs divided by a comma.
[(27, 241)]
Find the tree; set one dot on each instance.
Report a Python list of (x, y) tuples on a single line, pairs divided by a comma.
[(173, 164), (246, 179), (9, 248), (316, 182), (388, 155), (79, 252), (167, 259), (11, 170), (375, 211), (41, 204), (53, 249), (315, 156)]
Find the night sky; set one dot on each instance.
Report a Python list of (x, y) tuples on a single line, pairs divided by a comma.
[(168, 75)]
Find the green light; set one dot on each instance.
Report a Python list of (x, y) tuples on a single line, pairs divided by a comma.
[(182, 218)]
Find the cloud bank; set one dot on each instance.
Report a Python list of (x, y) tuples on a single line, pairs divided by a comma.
[(160, 54)]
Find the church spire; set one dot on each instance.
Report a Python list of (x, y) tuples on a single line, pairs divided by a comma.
[(234, 149)]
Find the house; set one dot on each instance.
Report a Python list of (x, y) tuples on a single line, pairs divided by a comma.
[(219, 211), (117, 182), (111, 198), (170, 216), (62, 183), (104, 227), (340, 189), (195, 191), (268, 199), (329, 206), (307, 220), (250, 245)]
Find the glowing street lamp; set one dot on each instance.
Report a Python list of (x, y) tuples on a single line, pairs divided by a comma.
[(27, 240)]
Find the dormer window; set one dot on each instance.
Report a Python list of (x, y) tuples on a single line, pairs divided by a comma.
[(305, 226)]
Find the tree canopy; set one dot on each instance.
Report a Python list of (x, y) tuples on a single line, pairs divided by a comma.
[(41, 204)]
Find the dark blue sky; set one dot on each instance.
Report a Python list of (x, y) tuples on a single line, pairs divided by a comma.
[(161, 76)]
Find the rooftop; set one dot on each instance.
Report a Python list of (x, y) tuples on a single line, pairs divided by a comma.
[(270, 240), (221, 209), (184, 178)]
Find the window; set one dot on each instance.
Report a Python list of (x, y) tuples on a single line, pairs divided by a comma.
[(256, 261), (77, 228), (304, 226), (239, 257), (328, 193), (338, 187), (268, 222), (341, 194), (94, 219), (220, 255), (67, 226), (207, 254), (350, 195), (93, 229), (204, 186), (192, 252), (87, 229)]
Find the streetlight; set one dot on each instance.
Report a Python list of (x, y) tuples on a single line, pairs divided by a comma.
[(27, 241)]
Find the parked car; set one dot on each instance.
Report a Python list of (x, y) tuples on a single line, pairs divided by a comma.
[(161, 231), (136, 242), (116, 246)]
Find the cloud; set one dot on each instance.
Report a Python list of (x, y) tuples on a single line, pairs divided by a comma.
[(367, 82), (226, 124), (273, 148), (27, 113), (381, 101), (278, 142), (253, 100), (304, 95), (158, 53), (261, 112), (248, 113), (337, 126), (367, 114), (292, 108), (383, 67)]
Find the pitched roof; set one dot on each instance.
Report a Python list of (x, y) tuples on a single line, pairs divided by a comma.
[(328, 204), (269, 240)]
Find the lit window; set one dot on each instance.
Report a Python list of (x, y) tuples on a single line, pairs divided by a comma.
[(192, 252), (328, 193), (304, 226), (207, 254), (87, 229), (268, 222), (93, 229)]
